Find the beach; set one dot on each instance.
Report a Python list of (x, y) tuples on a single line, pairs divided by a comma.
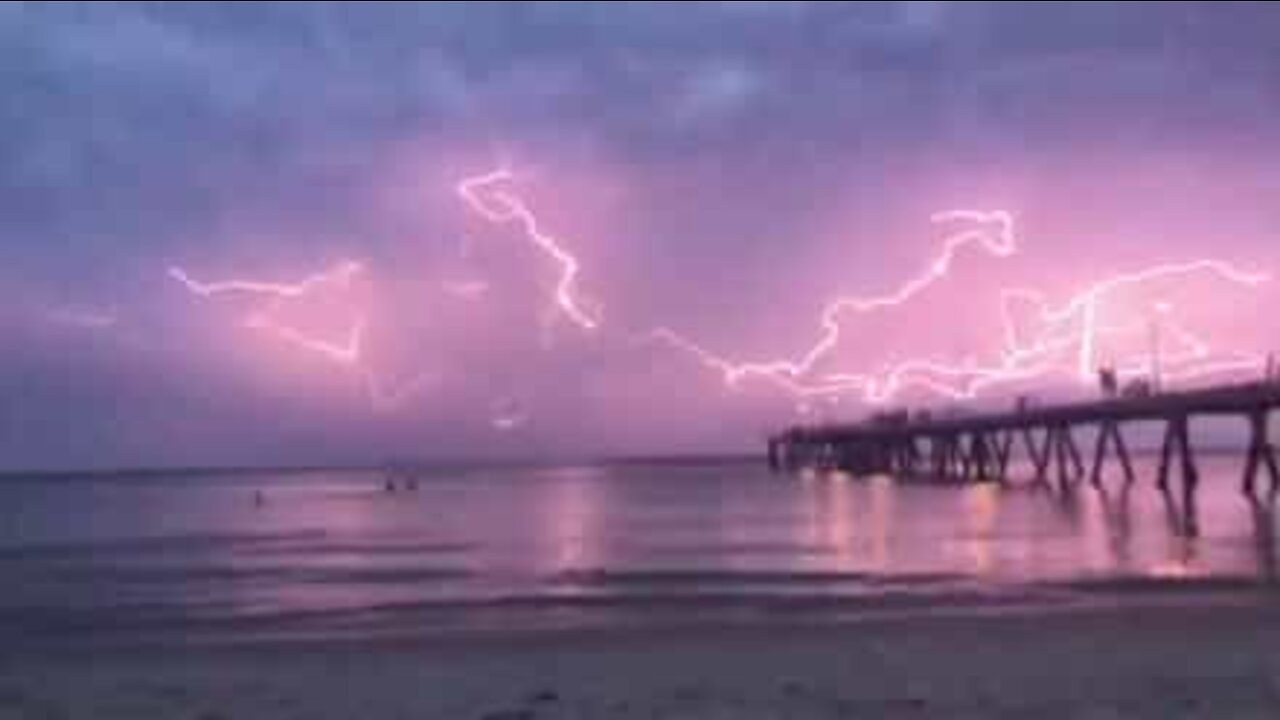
[(1188, 659), (639, 361)]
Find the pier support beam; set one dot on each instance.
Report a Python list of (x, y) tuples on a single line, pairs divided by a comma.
[(956, 462), (1166, 455), (963, 457), (936, 459), (896, 457), (1190, 475), (1060, 451), (1073, 451), (1109, 434), (1039, 457), (943, 448), (1122, 450), (980, 453), (1070, 466), (910, 456), (1260, 452), (1003, 449), (1177, 438)]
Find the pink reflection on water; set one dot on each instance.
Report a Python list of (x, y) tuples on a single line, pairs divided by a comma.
[(570, 520)]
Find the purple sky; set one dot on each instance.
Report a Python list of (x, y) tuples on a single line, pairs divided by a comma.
[(722, 169)]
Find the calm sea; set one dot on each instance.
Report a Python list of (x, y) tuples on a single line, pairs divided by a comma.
[(336, 554)]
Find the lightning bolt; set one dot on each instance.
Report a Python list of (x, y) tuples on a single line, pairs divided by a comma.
[(788, 373), (348, 351), (345, 352), (1084, 305), (341, 275), (488, 197), (1065, 341), (1074, 325)]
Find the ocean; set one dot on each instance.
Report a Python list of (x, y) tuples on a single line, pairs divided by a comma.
[(224, 558)]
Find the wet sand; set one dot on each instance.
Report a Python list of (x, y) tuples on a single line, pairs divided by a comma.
[(1184, 659)]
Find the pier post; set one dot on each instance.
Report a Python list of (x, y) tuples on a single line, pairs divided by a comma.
[(1039, 458), (1260, 451), (1004, 448), (1190, 475), (1123, 451), (981, 452), (1109, 434), (1166, 454), (1100, 452), (1177, 438), (910, 454), (950, 463), (1062, 453), (938, 448), (1073, 453)]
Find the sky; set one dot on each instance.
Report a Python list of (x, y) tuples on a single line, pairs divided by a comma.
[(661, 194)]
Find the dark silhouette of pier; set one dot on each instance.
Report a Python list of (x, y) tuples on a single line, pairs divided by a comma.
[(979, 447)]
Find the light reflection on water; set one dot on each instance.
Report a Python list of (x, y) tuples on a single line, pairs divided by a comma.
[(341, 541)]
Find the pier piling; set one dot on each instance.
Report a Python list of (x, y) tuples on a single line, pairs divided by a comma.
[(981, 446)]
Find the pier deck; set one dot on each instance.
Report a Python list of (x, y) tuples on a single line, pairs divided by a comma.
[(979, 446)]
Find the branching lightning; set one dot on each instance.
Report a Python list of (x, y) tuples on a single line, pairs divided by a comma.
[(341, 275), (489, 197), (1073, 326), (789, 372), (1066, 340), (347, 351)]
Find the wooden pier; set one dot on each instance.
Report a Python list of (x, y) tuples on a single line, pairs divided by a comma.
[(979, 447)]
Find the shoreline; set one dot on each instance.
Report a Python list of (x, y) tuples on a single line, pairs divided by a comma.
[(1177, 660), (464, 622)]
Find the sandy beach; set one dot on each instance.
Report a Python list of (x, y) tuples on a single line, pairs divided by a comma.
[(1189, 660)]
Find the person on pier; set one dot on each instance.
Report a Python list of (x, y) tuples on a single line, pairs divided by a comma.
[(1107, 380)]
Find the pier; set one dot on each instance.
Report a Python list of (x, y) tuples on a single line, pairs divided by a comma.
[(979, 447)]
